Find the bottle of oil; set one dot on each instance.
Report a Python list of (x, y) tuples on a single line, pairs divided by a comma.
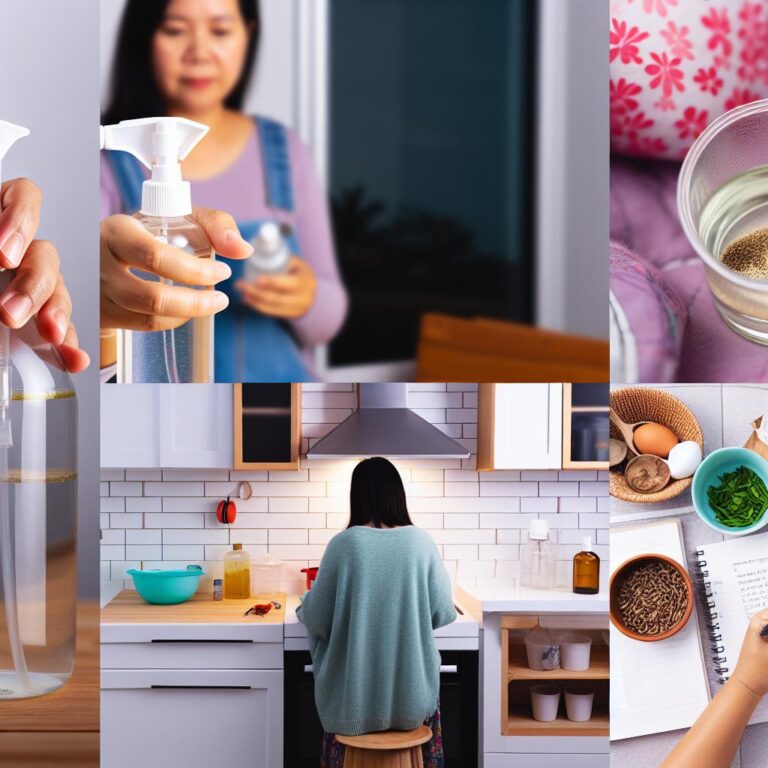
[(237, 573), (586, 569), (184, 354)]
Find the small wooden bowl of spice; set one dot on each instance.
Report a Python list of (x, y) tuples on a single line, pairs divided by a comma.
[(651, 598)]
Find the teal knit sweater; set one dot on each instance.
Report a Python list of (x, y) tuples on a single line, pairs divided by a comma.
[(369, 615)]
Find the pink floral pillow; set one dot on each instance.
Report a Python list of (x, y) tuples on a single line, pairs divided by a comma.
[(676, 65)]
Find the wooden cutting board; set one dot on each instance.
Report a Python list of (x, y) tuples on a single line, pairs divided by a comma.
[(129, 608)]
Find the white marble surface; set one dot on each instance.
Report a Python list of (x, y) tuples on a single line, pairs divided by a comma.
[(506, 595), (725, 413)]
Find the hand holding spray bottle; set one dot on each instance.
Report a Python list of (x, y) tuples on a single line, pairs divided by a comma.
[(38, 505), (183, 354)]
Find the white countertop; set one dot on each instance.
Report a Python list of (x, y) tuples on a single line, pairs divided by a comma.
[(507, 596)]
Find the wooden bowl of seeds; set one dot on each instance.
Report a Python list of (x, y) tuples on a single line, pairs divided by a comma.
[(651, 598)]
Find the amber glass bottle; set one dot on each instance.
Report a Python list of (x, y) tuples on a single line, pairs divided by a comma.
[(586, 570)]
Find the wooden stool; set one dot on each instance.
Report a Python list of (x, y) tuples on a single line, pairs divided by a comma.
[(386, 749)]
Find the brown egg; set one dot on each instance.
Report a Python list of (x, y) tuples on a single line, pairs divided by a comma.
[(655, 439)]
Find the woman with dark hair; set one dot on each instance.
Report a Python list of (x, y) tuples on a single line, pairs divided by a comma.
[(380, 592), (193, 59)]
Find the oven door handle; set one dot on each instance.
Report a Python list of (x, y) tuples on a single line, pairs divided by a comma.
[(445, 669)]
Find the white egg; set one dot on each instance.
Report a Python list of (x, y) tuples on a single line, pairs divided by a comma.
[(683, 459)]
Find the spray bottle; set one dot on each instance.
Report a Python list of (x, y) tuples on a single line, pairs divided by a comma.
[(271, 254), (184, 354), (38, 506)]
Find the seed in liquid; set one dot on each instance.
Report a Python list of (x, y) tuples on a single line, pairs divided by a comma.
[(748, 255)]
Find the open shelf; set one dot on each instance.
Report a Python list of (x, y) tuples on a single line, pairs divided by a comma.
[(517, 679), (518, 668), (525, 725)]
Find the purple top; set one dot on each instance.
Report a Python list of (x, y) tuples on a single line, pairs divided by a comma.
[(644, 221), (240, 191)]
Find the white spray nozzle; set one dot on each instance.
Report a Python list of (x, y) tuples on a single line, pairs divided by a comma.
[(269, 238), (159, 143), (9, 134)]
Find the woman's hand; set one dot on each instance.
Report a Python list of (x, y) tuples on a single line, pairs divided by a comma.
[(289, 295), (752, 668), (38, 287), (129, 302)]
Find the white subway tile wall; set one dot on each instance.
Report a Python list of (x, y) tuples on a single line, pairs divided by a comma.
[(479, 520)]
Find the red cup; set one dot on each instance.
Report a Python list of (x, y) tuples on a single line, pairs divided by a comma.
[(311, 575)]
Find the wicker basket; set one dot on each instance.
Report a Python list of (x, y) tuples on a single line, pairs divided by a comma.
[(634, 404)]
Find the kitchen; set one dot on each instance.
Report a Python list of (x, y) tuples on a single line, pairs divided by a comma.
[(511, 454)]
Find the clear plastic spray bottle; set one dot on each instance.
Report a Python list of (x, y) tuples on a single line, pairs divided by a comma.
[(184, 354), (38, 506)]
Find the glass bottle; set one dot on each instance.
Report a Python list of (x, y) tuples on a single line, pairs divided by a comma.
[(586, 569), (537, 561), (237, 573), (38, 515)]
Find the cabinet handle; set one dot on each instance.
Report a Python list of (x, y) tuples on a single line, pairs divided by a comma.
[(195, 642), (309, 668), (448, 669), (203, 687)]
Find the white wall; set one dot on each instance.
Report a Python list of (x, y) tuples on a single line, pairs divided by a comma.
[(166, 518), (49, 83)]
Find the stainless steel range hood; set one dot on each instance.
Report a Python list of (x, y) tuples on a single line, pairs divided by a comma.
[(383, 425)]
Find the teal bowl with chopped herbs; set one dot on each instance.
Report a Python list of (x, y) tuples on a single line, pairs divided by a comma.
[(730, 491)]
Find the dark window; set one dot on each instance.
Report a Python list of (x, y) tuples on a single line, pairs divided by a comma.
[(431, 158)]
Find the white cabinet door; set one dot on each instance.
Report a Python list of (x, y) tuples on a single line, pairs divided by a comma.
[(129, 435), (166, 425), (528, 426), (192, 718), (195, 425)]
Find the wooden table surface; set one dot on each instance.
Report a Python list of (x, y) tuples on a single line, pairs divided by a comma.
[(129, 608), (61, 728)]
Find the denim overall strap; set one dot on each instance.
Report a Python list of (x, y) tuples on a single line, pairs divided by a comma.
[(277, 164), (129, 176), (251, 346)]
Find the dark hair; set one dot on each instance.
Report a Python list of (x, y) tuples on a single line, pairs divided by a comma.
[(377, 495), (134, 92)]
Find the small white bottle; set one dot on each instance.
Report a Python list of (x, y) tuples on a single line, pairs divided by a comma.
[(271, 253), (184, 354), (538, 564)]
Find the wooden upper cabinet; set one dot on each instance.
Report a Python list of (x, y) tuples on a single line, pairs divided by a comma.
[(586, 429), (519, 426), (267, 426)]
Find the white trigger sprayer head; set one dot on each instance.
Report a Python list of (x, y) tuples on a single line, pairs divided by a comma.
[(9, 134), (159, 143)]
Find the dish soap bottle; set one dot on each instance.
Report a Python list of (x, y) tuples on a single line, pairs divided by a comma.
[(271, 253), (38, 506), (538, 562), (237, 573), (586, 569), (183, 354)]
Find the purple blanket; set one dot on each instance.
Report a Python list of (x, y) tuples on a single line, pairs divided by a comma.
[(646, 236)]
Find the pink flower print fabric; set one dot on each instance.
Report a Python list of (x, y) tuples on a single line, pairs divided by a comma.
[(676, 65)]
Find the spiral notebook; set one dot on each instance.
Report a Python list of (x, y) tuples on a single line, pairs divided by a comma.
[(655, 687), (734, 575)]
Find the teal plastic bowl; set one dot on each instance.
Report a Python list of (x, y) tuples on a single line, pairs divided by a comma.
[(708, 473), (167, 587)]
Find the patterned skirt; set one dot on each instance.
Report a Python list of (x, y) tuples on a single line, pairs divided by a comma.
[(333, 753)]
